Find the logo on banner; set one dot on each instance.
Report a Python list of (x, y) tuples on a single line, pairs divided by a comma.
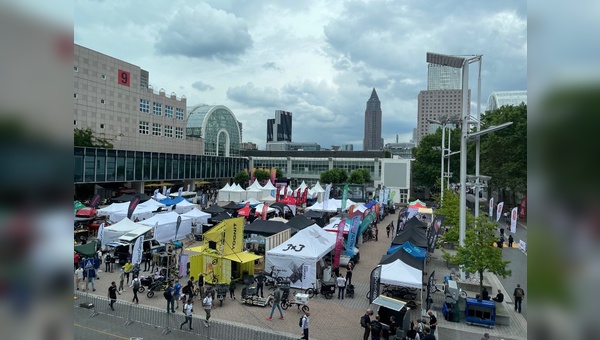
[(491, 211), (293, 247), (374, 283), (499, 211)]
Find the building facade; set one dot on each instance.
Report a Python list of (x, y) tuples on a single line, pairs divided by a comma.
[(441, 77), (114, 99), (372, 137), (279, 129), (218, 127), (437, 105), (402, 150), (497, 99), (290, 146)]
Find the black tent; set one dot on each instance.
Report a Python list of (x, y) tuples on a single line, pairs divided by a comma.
[(220, 217), (232, 206), (300, 222), (415, 222), (267, 228), (129, 197), (214, 209), (282, 207), (317, 216), (405, 257), (416, 236)]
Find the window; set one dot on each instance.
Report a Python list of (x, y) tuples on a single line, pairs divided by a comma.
[(144, 128), (144, 105), (179, 132), (103, 77), (75, 121), (168, 111), (179, 113), (102, 126), (157, 109), (102, 101), (75, 95), (168, 131), (156, 129), (75, 68)]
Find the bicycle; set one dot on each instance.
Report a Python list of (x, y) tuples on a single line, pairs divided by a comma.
[(211, 277), (327, 290), (275, 277), (404, 293)]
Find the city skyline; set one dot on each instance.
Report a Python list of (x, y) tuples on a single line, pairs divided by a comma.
[(312, 58)]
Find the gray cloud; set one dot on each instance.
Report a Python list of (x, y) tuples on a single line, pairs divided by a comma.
[(252, 96), (202, 86), (271, 66), (204, 32)]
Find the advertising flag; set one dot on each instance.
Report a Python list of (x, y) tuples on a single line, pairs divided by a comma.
[(499, 211), (374, 284), (339, 243), (176, 227), (326, 198), (183, 262), (273, 174), (164, 190), (155, 195), (305, 195), (523, 208), (352, 236), (434, 232), (188, 187), (429, 288), (513, 220), (136, 257), (491, 213), (95, 201), (168, 193), (132, 205), (264, 211), (351, 209), (365, 223), (101, 233), (180, 191), (344, 197)]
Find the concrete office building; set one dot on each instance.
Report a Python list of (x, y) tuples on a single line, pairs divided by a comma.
[(372, 137), (292, 146), (114, 99)]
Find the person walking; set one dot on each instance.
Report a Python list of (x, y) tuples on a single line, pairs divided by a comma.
[(433, 319), (260, 281), (305, 325), (276, 303), (112, 294), (232, 289), (387, 230), (376, 328), (188, 310), (519, 295), (177, 292), (168, 294), (349, 269), (510, 241), (121, 279), (190, 288), (341, 284), (90, 274), (365, 322), (135, 285), (207, 304), (107, 260), (79, 276)]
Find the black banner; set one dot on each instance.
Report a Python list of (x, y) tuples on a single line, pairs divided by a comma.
[(374, 284), (429, 288), (95, 201), (177, 227), (132, 205), (434, 231)]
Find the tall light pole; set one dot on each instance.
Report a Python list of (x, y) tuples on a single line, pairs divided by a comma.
[(477, 142), (442, 123)]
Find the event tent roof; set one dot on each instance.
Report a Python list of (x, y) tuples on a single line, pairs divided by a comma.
[(267, 228), (129, 197), (410, 248), (214, 209), (315, 244), (221, 216), (194, 213), (403, 256), (231, 206), (318, 188), (416, 236), (300, 222), (88, 249), (401, 274), (414, 222)]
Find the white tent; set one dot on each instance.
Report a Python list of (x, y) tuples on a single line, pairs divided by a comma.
[(269, 189), (224, 193), (113, 232), (184, 206), (140, 213), (254, 193), (236, 193), (159, 196), (255, 185), (297, 258), (152, 204), (268, 199), (253, 201), (113, 208), (259, 209), (317, 188), (198, 217), (400, 274), (165, 230), (333, 226)]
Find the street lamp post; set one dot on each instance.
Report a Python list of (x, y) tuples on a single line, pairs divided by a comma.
[(442, 123)]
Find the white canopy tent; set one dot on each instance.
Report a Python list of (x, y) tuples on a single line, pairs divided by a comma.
[(254, 193), (152, 204), (140, 213), (113, 232), (269, 189), (399, 273), (236, 193), (269, 199), (159, 196), (198, 217), (252, 201), (259, 209), (224, 193), (113, 208), (184, 206), (297, 258), (255, 185), (165, 230)]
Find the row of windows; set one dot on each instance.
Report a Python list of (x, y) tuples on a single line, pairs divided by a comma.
[(144, 129), (157, 109)]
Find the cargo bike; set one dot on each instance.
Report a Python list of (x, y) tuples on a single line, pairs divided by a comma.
[(250, 297), (298, 299)]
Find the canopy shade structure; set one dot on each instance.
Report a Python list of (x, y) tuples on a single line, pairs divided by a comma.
[(114, 231), (231, 206), (318, 188), (165, 230), (267, 228), (242, 257), (129, 197), (214, 209), (152, 204), (197, 216), (87, 250), (300, 222), (403, 256), (221, 217), (416, 236), (171, 201), (410, 248), (253, 202), (86, 212), (414, 222), (399, 273), (268, 199), (282, 207)]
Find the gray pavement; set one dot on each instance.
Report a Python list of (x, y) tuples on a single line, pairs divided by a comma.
[(518, 266)]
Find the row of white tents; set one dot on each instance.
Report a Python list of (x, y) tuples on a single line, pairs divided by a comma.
[(145, 210), (263, 193)]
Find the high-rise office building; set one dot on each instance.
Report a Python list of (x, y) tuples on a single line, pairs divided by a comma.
[(372, 139), (441, 77), (279, 129)]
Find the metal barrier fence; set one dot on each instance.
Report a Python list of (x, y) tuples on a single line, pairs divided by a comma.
[(169, 322)]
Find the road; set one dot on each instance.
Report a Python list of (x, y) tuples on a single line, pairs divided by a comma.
[(518, 266)]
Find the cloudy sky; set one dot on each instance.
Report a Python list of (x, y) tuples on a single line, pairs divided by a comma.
[(317, 59)]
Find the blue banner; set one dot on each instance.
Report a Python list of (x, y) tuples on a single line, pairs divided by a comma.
[(352, 235), (365, 223)]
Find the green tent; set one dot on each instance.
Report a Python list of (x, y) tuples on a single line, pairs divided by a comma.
[(88, 249), (77, 205)]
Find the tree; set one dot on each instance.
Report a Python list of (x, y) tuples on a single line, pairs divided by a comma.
[(335, 175), (479, 254), (278, 173), (242, 177), (504, 152), (85, 137), (450, 209), (359, 176), (262, 175)]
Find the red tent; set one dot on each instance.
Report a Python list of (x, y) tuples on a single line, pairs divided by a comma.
[(288, 200), (417, 205), (245, 211), (86, 212)]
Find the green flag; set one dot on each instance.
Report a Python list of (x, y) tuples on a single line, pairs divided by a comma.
[(344, 197)]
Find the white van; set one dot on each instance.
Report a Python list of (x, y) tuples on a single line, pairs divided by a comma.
[(124, 247)]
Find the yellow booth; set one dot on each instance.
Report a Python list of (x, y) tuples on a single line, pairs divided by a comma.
[(222, 257)]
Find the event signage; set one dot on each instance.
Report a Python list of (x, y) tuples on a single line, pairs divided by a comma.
[(352, 236), (264, 211), (164, 190), (429, 288), (491, 212), (188, 187), (499, 211), (132, 205), (168, 193), (101, 233), (183, 262), (138, 248), (344, 197), (273, 175), (365, 223), (513, 220), (156, 195), (252, 175), (95, 201), (522, 245), (180, 191), (374, 283), (326, 198), (339, 243), (176, 226), (434, 232), (523, 208)]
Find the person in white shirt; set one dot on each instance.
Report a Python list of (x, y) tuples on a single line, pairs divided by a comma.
[(305, 325), (207, 304), (188, 309), (341, 284), (78, 276)]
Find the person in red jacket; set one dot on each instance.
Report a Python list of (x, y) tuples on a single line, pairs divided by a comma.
[(76, 259)]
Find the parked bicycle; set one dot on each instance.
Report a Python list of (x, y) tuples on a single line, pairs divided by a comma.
[(326, 289), (404, 293)]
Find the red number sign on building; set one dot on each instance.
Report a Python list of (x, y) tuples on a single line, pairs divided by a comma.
[(124, 78)]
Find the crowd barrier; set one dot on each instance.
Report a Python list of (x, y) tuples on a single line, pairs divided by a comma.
[(169, 322)]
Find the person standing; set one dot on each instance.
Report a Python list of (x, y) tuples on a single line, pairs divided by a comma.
[(365, 322), (155, 260), (177, 292), (232, 289), (190, 288), (276, 303), (76, 259), (207, 304), (260, 281), (90, 273), (428, 334), (128, 267), (349, 268), (121, 279), (112, 294), (393, 327), (107, 260), (376, 328), (433, 320), (135, 285), (519, 294), (387, 230), (305, 325), (168, 294), (188, 310), (147, 258), (341, 284), (510, 241), (79, 276)]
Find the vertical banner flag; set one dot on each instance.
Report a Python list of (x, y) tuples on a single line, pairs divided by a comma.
[(95, 201), (339, 243), (352, 236), (184, 259), (365, 223), (491, 213), (252, 175), (264, 211), (513, 220), (273, 174), (168, 193), (374, 284), (285, 190), (101, 233), (429, 288), (434, 232), (188, 187), (155, 195), (326, 198), (304, 195), (176, 227), (164, 190), (136, 257), (180, 191), (132, 205), (344, 197), (499, 211), (523, 208)]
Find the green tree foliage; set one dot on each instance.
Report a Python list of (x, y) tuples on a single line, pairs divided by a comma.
[(504, 152), (262, 175), (479, 254), (278, 173), (335, 175), (359, 176), (85, 137), (451, 210), (242, 177)]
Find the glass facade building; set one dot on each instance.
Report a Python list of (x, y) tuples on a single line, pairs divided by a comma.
[(219, 128), (498, 99)]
